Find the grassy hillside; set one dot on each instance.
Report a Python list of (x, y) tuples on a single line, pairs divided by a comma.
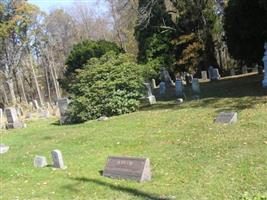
[(191, 157)]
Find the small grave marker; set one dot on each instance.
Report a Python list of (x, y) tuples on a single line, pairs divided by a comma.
[(63, 107), (57, 159), (40, 161), (132, 168), (204, 75), (3, 148), (12, 119), (226, 118)]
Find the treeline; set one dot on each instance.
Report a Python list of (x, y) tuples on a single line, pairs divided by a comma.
[(41, 54)]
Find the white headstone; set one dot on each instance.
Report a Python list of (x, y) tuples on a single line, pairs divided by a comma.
[(40, 161), (210, 71), (162, 88), (179, 88), (264, 82), (150, 96), (154, 85), (204, 75), (3, 148), (195, 86), (57, 159), (35, 104)]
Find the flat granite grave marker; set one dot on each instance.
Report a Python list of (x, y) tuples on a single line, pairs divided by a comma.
[(3, 148), (40, 161), (131, 168), (57, 159), (226, 118)]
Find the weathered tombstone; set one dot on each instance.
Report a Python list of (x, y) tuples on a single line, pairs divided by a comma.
[(132, 168), (63, 107), (195, 86), (12, 119), (179, 88), (154, 85), (256, 68), (39, 161), (1, 119), (210, 72), (165, 77), (264, 82), (57, 159), (3, 148), (179, 100), (44, 114), (244, 69), (162, 88), (216, 74), (31, 105), (232, 72), (151, 98), (226, 118), (35, 104), (204, 75)]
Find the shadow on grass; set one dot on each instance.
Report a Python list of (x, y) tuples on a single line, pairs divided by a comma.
[(130, 191), (230, 94)]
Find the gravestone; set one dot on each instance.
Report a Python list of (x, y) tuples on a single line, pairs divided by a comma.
[(63, 107), (102, 118), (226, 118), (216, 75), (31, 105), (264, 82), (210, 72), (204, 75), (162, 88), (12, 119), (165, 77), (151, 98), (3, 148), (179, 88), (1, 119), (256, 68), (40, 161), (154, 85), (232, 72), (195, 86), (244, 69), (35, 104), (44, 114), (131, 168), (57, 159)]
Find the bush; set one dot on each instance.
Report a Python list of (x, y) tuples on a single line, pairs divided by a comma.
[(110, 85), (80, 55)]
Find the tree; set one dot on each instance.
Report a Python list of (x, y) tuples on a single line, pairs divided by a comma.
[(246, 29)]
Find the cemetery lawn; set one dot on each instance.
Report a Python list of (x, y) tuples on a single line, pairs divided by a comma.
[(191, 157)]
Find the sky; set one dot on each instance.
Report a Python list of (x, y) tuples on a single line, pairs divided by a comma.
[(46, 5)]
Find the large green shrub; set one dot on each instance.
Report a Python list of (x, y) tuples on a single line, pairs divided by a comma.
[(83, 52), (110, 85)]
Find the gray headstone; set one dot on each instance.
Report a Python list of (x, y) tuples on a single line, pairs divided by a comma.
[(3, 148), (226, 118), (204, 75), (132, 168), (1, 119), (232, 72), (151, 98), (195, 86), (57, 159), (216, 75), (40, 161), (12, 119), (162, 88), (179, 88), (210, 72), (35, 104), (244, 69), (63, 107)]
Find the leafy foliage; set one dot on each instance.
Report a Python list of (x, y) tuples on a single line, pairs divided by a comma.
[(110, 85), (245, 29)]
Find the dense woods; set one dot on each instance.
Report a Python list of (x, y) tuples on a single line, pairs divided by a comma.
[(42, 54)]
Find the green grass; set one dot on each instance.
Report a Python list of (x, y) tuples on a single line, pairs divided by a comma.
[(191, 157)]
